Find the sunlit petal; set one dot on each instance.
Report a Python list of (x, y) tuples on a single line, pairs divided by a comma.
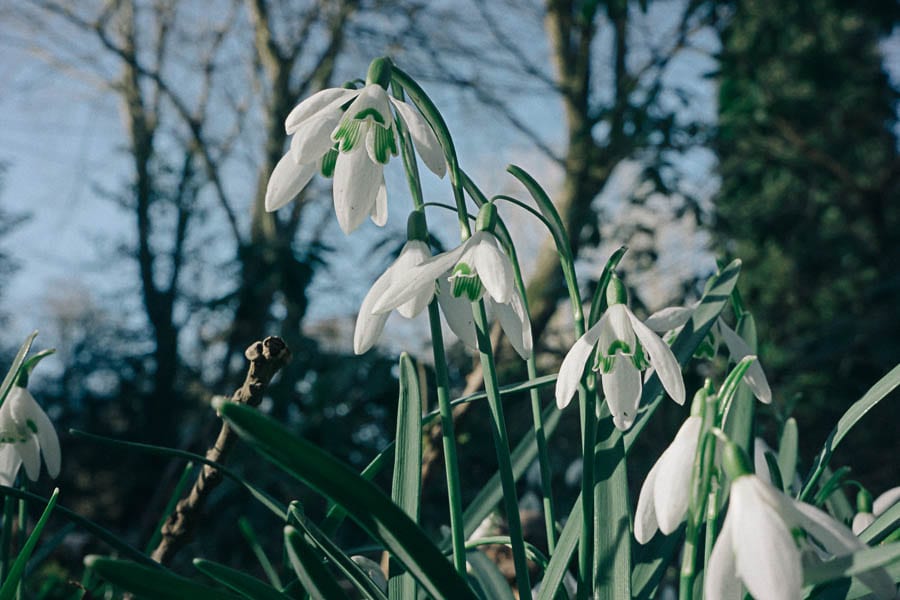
[(672, 492), (622, 388), (645, 523), (356, 183), (755, 377), (418, 279), (326, 99), (572, 367), (458, 313), (720, 581), (492, 266), (414, 253), (312, 138), (380, 208), (618, 329), (886, 500), (288, 179), (861, 521), (661, 358), (515, 324), (766, 556), (426, 142)]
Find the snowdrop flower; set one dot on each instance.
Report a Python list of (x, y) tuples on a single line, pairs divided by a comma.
[(621, 340), (353, 144), (666, 492), (869, 510), (756, 546), (675, 317), (479, 268), (370, 324), (25, 433)]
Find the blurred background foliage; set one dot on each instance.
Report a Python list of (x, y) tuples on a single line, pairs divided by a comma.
[(782, 111)]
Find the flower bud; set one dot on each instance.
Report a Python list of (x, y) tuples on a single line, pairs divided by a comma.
[(416, 228), (487, 218), (380, 72), (615, 291), (864, 501), (735, 461)]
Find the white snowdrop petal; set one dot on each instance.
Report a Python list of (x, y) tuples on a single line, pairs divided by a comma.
[(861, 521), (331, 98), (414, 253), (458, 314), (312, 138), (645, 523), (515, 324), (492, 266), (672, 492), (755, 377), (720, 581), (662, 359), (622, 388), (380, 208), (288, 179), (357, 181), (572, 367), (766, 556), (886, 500), (669, 318), (419, 279), (10, 462), (423, 137)]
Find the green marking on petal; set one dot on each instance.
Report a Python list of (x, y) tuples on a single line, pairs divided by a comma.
[(32, 425), (369, 113), (618, 345), (604, 364), (465, 282), (328, 162), (385, 145), (640, 359), (347, 134)]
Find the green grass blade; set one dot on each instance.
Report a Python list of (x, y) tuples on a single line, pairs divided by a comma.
[(852, 564), (242, 583), (651, 561), (11, 584), (491, 583), (150, 583), (854, 414), (98, 531), (315, 578), (363, 501), (788, 449), (260, 554), (612, 529), (407, 482), (16, 364), (885, 524), (186, 479), (562, 556)]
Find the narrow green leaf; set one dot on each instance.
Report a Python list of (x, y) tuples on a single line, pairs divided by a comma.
[(98, 531), (16, 364), (598, 303), (787, 452), (612, 529), (186, 479), (150, 583), (265, 499), (831, 485), (10, 586), (534, 555), (739, 421), (343, 563), (650, 563), (260, 554), (774, 470), (850, 418), (238, 581), (407, 483), (363, 501), (315, 578), (562, 556), (491, 582), (883, 525), (850, 589), (852, 564)]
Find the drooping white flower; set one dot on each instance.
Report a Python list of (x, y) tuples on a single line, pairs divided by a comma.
[(756, 546), (666, 492), (675, 317), (478, 268), (353, 144), (25, 432), (625, 347), (869, 510)]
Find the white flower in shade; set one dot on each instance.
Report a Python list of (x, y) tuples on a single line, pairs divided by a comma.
[(25, 433), (479, 268), (353, 144), (666, 492), (869, 510), (622, 343), (756, 546), (674, 317)]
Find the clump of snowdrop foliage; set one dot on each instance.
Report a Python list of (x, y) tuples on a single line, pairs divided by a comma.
[(740, 532)]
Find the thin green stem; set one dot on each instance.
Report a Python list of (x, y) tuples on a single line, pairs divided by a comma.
[(501, 443), (457, 535), (9, 509), (587, 406), (712, 514), (23, 534)]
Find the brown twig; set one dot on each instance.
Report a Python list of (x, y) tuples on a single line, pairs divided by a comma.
[(266, 358)]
